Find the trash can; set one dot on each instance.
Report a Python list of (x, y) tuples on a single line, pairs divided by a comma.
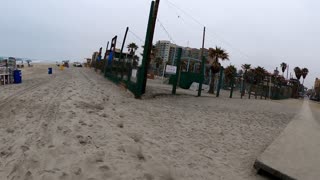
[(49, 70), (17, 76)]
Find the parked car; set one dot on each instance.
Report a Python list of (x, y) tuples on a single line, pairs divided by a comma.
[(77, 64)]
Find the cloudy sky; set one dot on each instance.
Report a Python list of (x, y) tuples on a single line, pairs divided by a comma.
[(263, 33)]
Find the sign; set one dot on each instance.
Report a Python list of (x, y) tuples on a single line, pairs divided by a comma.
[(171, 69), (110, 58), (134, 73)]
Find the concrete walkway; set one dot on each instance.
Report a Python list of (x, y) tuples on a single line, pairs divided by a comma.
[(295, 154)]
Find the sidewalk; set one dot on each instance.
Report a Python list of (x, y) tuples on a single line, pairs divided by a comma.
[(295, 154)]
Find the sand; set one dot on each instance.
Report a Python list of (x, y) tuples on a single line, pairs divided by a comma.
[(75, 124)]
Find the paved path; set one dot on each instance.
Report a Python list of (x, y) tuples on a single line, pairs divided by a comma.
[(295, 154)]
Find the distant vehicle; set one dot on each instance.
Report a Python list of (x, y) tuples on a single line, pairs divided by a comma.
[(77, 64), (65, 63)]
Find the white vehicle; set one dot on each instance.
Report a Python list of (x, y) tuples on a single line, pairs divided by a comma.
[(77, 64)]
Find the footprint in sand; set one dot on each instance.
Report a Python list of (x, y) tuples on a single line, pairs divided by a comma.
[(64, 176), (24, 148), (82, 123), (64, 130), (148, 176), (104, 168), (28, 176), (136, 137), (84, 140), (76, 170), (120, 125), (29, 116), (10, 131), (104, 115)]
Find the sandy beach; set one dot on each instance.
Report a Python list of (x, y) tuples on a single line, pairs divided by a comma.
[(75, 124)]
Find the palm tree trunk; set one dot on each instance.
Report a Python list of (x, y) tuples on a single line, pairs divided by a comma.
[(211, 89)]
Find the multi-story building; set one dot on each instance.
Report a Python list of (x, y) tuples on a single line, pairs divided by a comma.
[(168, 51), (317, 85), (163, 50)]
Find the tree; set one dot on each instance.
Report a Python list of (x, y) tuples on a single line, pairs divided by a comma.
[(304, 72), (283, 67), (230, 73), (259, 74), (216, 54), (132, 48), (158, 61), (135, 62), (246, 67), (298, 73)]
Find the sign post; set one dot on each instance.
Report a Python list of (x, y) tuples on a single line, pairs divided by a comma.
[(177, 71)]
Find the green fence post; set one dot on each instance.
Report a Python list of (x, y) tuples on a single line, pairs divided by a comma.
[(201, 76), (220, 81), (147, 48), (232, 84), (152, 24), (175, 82), (242, 86)]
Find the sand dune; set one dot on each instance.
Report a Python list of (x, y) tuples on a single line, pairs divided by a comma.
[(77, 125)]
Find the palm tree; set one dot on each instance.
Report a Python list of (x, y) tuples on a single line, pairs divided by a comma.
[(260, 74), (132, 48), (230, 73), (283, 67), (305, 72), (298, 72), (246, 67), (216, 54)]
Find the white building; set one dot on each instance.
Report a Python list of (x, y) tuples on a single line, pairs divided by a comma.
[(167, 51)]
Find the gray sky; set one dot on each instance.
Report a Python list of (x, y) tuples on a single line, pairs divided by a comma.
[(261, 33)]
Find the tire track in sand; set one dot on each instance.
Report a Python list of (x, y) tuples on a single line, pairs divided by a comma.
[(6, 102)]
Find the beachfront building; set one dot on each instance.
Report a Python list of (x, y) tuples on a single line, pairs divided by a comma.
[(317, 83), (168, 51), (317, 87)]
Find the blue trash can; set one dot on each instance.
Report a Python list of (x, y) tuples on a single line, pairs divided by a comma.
[(49, 70), (17, 76)]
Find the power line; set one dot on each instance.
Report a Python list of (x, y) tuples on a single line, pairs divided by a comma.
[(166, 31), (119, 43), (135, 35), (208, 31), (183, 11)]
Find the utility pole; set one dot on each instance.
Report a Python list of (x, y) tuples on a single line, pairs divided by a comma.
[(121, 51), (150, 40), (106, 54), (202, 62), (288, 71), (270, 87)]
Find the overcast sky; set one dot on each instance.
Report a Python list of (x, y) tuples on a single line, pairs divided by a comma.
[(265, 32)]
